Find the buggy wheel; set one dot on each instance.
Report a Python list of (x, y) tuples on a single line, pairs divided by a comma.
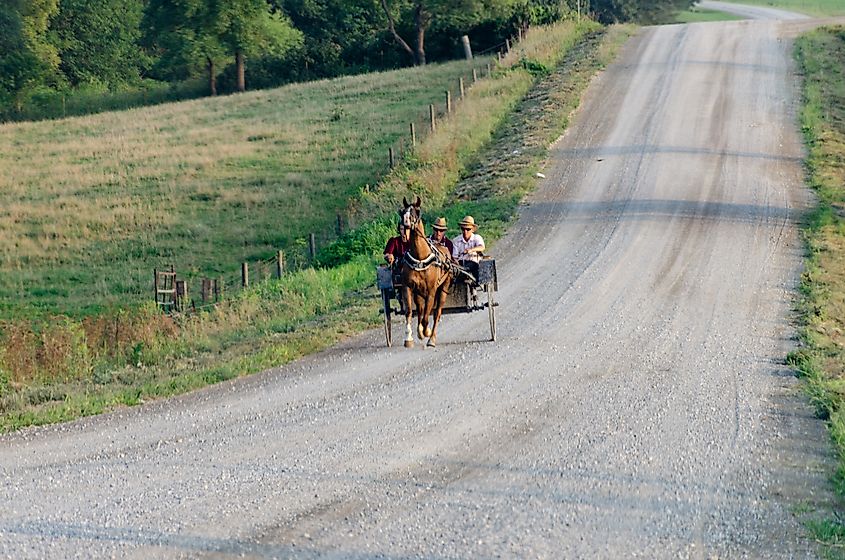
[(491, 312), (388, 335)]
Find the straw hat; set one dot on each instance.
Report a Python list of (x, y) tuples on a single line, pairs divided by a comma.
[(439, 223), (468, 221)]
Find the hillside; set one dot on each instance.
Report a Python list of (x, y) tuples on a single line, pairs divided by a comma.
[(89, 206)]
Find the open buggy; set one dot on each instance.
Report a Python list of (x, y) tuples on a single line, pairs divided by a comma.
[(465, 296)]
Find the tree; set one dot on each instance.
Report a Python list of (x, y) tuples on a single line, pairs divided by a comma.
[(18, 62), (250, 27), (183, 35), (187, 31), (338, 34), (98, 41), (36, 16), (640, 11), (27, 60), (422, 14)]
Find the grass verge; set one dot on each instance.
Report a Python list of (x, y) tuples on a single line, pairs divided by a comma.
[(699, 15), (820, 360), (482, 160)]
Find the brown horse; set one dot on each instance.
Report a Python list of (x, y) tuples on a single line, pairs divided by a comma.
[(426, 276)]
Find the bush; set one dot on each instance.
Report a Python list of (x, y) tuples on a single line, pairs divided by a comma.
[(368, 239)]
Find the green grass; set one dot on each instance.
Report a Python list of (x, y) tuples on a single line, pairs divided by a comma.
[(698, 15), (89, 206), (821, 358), (819, 8)]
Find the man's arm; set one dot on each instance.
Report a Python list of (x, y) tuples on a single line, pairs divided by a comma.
[(388, 250)]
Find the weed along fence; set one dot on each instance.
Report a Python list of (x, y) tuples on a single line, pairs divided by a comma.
[(175, 292)]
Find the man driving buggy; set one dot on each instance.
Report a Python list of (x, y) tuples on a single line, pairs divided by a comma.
[(468, 246)]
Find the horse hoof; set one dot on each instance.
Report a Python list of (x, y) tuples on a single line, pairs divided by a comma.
[(431, 344), (409, 344)]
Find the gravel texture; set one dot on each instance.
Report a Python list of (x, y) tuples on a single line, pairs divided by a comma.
[(635, 404)]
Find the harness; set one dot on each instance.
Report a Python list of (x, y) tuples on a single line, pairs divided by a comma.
[(435, 259)]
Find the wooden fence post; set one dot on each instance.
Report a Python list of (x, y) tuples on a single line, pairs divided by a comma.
[(448, 102), (413, 136), (461, 87), (244, 275), (391, 156), (218, 289), (467, 48), (280, 264), (507, 46), (181, 295), (312, 243), (339, 225), (431, 115), (155, 285), (489, 69), (205, 290), (474, 75)]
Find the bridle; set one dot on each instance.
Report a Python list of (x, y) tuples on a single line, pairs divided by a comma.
[(410, 217)]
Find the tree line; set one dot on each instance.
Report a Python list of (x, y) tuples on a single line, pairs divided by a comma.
[(114, 45)]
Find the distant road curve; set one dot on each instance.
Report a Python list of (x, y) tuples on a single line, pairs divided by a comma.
[(751, 12)]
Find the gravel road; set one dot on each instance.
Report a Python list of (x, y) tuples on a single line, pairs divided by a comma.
[(635, 404)]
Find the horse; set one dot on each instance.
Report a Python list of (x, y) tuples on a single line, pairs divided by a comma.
[(426, 275)]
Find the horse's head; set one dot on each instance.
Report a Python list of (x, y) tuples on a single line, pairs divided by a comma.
[(410, 215)]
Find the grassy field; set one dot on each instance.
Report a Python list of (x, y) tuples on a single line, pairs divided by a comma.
[(89, 206), (698, 15), (819, 8), (821, 358), (69, 368)]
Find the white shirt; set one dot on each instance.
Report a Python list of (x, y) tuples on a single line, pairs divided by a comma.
[(461, 245)]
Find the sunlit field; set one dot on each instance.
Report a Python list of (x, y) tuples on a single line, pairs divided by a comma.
[(90, 206), (818, 8)]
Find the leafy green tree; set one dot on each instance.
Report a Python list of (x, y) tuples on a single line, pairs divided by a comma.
[(36, 16), (640, 11), (339, 35), (183, 36), (18, 63), (187, 31), (250, 27), (27, 60), (98, 42), (420, 15)]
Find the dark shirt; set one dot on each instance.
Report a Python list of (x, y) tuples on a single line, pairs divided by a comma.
[(445, 242), (396, 247)]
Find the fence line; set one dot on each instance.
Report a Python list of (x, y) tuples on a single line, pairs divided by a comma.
[(304, 254)]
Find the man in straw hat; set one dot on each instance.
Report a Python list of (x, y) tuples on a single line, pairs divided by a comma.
[(468, 246), (438, 234)]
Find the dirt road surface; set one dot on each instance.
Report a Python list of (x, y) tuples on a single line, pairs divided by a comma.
[(635, 404)]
